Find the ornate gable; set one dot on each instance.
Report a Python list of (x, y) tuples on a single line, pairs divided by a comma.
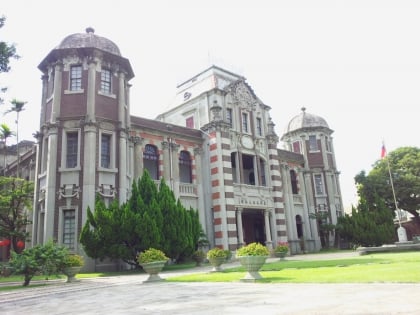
[(243, 95)]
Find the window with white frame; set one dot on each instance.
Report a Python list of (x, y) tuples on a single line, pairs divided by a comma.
[(151, 161), (185, 167), (229, 117), (72, 148), (313, 143), (76, 78), (44, 155), (328, 144), (245, 122), (106, 81), (189, 122), (296, 147), (259, 126), (263, 181), (293, 181), (319, 184), (69, 228), (106, 150)]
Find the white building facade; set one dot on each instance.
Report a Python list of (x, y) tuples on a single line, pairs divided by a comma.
[(216, 148)]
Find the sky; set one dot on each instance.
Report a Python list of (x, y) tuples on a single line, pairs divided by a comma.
[(354, 63)]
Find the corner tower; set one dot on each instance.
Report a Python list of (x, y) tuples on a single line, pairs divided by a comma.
[(83, 136), (310, 135)]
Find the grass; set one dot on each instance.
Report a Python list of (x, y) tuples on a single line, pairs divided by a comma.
[(383, 267), (19, 278), (377, 267)]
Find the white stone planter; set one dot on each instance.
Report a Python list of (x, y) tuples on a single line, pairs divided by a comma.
[(252, 264)]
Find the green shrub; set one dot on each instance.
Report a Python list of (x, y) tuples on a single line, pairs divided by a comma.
[(46, 259), (282, 247), (151, 255), (73, 260), (216, 253), (253, 249)]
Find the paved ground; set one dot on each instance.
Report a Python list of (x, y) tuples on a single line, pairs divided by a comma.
[(129, 295)]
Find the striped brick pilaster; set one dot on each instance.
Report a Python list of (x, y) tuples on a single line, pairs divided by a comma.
[(224, 214), (276, 181)]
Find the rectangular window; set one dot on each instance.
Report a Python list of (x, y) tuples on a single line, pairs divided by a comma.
[(244, 122), (106, 81), (106, 151), (189, 122), (44, 155), (296, 147), (328, 144), (229, 117), (319, 184), (69, 228), (76, 78), (313, 143), (259, 127), (72, 147)]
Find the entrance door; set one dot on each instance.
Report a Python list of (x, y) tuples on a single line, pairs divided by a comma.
[(253, 226)]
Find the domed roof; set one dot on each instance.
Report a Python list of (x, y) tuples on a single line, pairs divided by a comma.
[(89, 39), (306, 120)]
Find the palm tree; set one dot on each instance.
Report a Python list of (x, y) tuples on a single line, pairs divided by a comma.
[(5, 133), (17, 107)]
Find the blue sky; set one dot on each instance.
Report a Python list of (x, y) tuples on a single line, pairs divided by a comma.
[(355, 63)]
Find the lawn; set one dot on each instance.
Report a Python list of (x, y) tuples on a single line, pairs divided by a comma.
[(377, 267), (381, 267)]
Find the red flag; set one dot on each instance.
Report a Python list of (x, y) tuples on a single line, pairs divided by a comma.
[(383, 151)]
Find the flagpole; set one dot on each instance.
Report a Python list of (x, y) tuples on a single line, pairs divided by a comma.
[(393, 192), (402, 234)]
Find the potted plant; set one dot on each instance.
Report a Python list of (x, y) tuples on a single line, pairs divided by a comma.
[(199, 256), (216, 257), (72, 265), (281, 250), (152, 261), (252, 257)]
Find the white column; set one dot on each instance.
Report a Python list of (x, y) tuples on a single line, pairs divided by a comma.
[(91, 89), (256, 173), (58, 75), (50, 189), (138, 158), (240, 228), (89, 162), (268, 242), (122, 167)]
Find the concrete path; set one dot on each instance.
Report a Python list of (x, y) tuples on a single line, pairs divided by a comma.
[(129, 295)]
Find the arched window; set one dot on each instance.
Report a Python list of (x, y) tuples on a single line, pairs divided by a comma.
[(293, 180), (185, 172), (151, 161)]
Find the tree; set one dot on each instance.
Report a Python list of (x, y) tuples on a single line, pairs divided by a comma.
[(149, 219), (325, 227), (48, 259), (17, 107), (5, 133), (7, 51), (15, 200), (368, 225), (404, 164)]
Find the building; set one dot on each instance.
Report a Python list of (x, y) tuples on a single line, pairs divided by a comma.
[(216, 148)]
